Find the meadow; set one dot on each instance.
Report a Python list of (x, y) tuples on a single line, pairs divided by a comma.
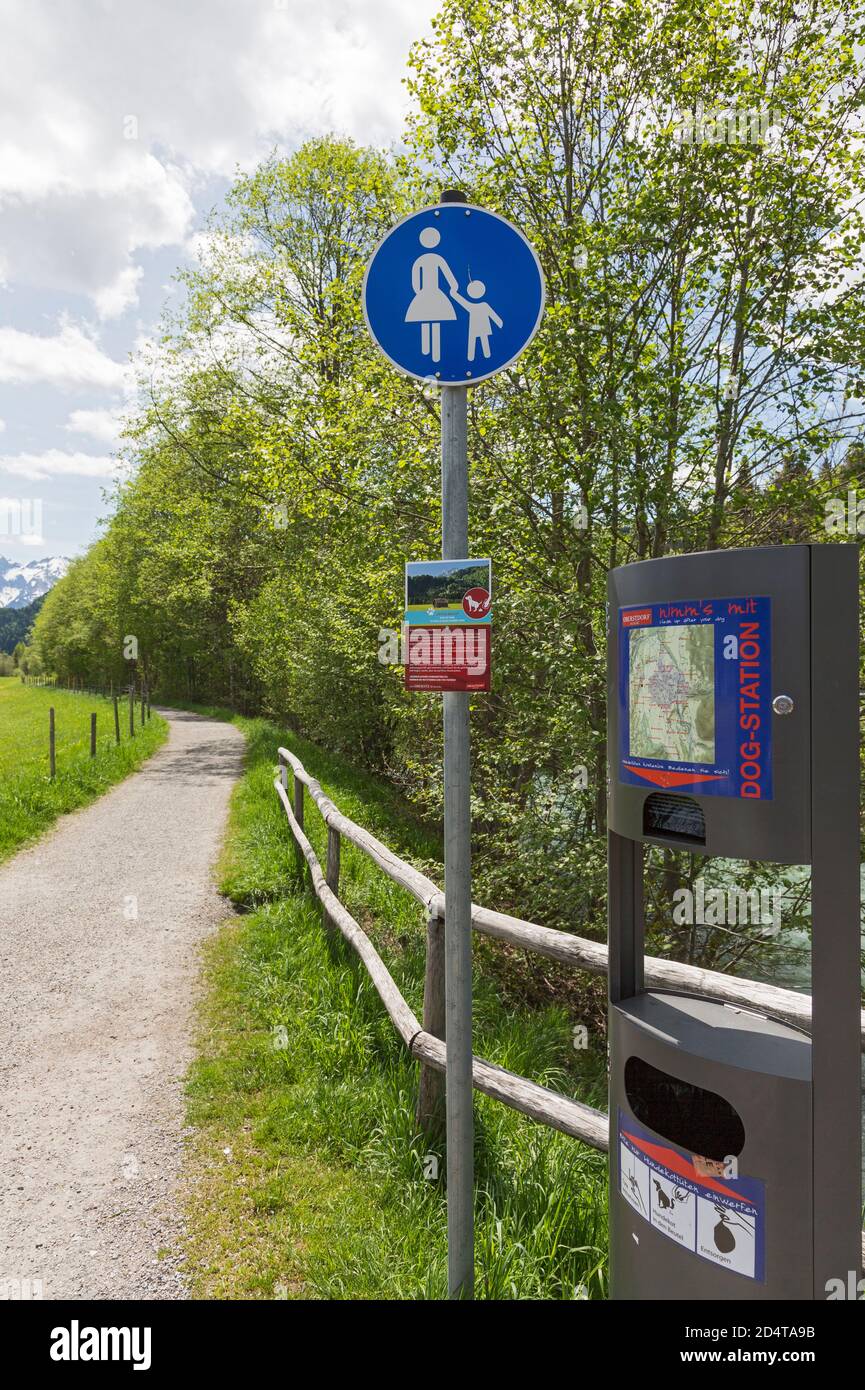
[(29, 801)]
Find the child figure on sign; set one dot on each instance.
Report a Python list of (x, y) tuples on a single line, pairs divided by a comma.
[(481, 317)]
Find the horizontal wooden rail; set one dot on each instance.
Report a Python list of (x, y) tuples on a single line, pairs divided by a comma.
[(396, 869), (398, 1010), (549, 1108), (576, 951), (546, 1106)]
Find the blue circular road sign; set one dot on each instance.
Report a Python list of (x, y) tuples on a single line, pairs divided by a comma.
[(453, 294)]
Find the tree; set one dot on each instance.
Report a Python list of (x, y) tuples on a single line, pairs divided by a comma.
[(696, 382)]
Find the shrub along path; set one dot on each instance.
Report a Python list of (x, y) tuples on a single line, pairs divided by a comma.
[(99, 928)]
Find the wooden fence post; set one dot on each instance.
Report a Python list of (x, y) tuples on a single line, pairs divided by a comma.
[(52, 747), (430, 1110), (132, 710), (93, 735), (332, 877), (116, 719)]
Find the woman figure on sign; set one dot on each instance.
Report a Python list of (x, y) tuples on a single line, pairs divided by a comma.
[(431, 306)]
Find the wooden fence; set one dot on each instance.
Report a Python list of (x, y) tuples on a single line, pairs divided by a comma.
[(128, 694), (424, 1042), (79, 685)]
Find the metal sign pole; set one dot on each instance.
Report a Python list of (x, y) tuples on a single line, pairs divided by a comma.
[(451, 295), (458, 887)]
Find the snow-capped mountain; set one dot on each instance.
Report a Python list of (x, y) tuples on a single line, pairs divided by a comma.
[(21, 583)]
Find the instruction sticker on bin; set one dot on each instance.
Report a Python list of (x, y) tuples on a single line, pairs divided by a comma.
[(719, 1219)]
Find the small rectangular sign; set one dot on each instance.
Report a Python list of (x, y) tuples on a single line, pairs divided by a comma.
[(448, 592), (447, 658)]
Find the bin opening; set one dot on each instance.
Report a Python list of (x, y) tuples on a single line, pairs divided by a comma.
[(700, 1121), (675, 817)]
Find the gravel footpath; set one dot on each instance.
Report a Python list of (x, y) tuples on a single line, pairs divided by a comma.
[(95, 1023)]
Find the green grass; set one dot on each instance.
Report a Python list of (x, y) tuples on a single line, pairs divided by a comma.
[(307, 1175), (29, 801)]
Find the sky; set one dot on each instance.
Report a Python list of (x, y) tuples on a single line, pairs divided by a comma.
[(122, 123)]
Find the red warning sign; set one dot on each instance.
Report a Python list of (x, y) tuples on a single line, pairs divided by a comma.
[(447, 658), (476, 604)]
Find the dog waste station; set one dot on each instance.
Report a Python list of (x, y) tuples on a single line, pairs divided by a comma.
[(733, 731)]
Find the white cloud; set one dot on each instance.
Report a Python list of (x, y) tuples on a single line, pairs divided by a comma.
[(79, 235), (120, 295), (215, 251), (119, 123), (54, 463), (108, 130), (69, 359), (2, 426), (104, 425)]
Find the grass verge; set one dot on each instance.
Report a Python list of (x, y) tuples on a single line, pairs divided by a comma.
[(29, 801), (307, 1176)]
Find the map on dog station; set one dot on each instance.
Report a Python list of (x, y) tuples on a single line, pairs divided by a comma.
[(695, 695), (672, 693)]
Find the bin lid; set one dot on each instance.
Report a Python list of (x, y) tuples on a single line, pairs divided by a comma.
[(721, 1032)]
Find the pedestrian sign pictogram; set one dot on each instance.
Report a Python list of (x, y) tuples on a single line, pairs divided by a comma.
[(453, 294)]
